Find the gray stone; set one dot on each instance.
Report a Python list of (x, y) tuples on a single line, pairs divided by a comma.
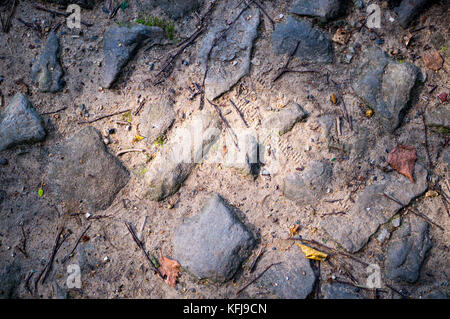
[(309, 186), (383, 235), (407, 250), (177, 8), (187, 146), (438, 119), (372, 209), (355, 143), (10, 278), (156, 118), (82, 170), (87, 4), (20, 123), (339, 291), (385, 85), (315, 45), (282, 121), (214, 243), (121, 44), (234, 46), (292, 279), (245, 159), (323, 9), (408, 10), (47, 72)]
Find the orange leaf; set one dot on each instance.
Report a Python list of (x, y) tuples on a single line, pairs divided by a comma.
[(169, 269), (403, 158)]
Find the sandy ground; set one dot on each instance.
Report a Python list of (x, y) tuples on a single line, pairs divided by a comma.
[(263, 207)]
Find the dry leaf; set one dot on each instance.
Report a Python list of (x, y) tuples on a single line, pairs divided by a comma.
[(403, 158), (433, 60), (170, 270), (311, 253), (333, 98), (138, 138), (341, 36)]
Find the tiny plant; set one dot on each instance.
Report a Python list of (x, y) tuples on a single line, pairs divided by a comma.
[(159, 141), (152, 21)]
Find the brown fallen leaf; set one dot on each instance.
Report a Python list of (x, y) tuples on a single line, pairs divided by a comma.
[(433, 60), (403, 158), (333, 98), (170, 270), (341, 36)]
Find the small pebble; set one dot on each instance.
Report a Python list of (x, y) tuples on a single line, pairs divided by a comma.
[(3, 161)]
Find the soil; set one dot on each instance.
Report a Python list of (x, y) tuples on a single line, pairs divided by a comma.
[(122, 270)]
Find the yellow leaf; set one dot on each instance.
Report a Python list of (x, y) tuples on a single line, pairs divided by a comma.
[(138, 138), (312, 253)]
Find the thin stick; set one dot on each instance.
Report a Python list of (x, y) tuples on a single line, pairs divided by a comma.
[(130, 150), (185, 44), (141, 105), (333, 213), (265, 13), (239, 113), (417, 213), (344, 106), (256, 278), (258, 255), (27, 282), (225, 122), (63, 14), (105, 116), (149, 257), (53, 112), (397, 291), (32, 26), (69, 255), (285, 66)]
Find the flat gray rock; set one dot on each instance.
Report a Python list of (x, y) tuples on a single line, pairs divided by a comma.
[(10, 279), (156, 118), (186, 148), (339, 291), (120, 46), (229, 57), (408, 10), (282, 121), (214, 243), (292, 279), (372, 209), (315, 45), (385, 85), (83, 171), (438, 119), (20, 123), (177, 8), (323, 9), (245, 159), (309, 186), (407, 250), (47, 72)]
